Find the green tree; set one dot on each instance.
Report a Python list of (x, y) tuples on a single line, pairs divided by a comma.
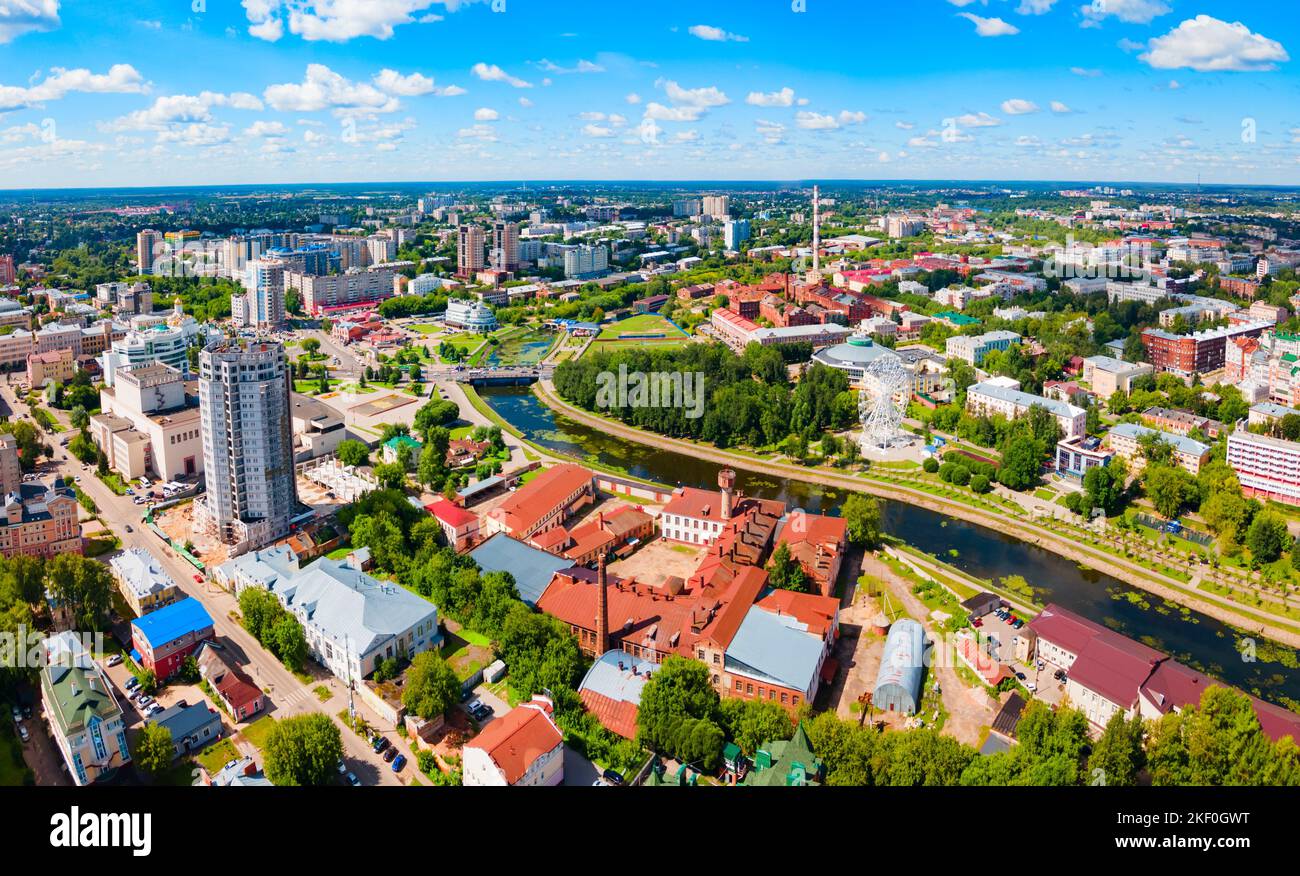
[(431, 686), (1168, 488), (84, 585), (1219, 743), (862, 520), (1118, 756), (154, 749), (1267, 536), (353, 452), (751, 723), (303, 750), (679, 689), (1020, 463), (785, 572)]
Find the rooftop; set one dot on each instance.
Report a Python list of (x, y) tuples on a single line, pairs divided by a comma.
[(172, 622)]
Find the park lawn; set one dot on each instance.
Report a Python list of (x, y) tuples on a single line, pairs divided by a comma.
[(465, 657), (217, 755), (340, 552), (644, 323), (257, 732), (425, 328)]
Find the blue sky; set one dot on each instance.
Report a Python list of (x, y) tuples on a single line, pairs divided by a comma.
[(165, 92)]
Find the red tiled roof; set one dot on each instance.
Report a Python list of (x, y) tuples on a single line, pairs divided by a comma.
[(450, 513), (518, 738), (637, 614), (1114, 671), (818, 613), (734, 605), (1073, 632), (618, 716), (238, 689), (534, 500)]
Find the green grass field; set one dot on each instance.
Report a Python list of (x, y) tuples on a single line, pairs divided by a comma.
[(257, 732), (217, 755), (644, 323)]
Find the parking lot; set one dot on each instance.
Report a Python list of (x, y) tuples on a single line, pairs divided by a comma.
[(998, 636)]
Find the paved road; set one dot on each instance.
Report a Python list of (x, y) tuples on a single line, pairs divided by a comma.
[(288, 695)]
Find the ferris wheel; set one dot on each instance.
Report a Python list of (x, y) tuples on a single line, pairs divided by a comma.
[(885, 383)]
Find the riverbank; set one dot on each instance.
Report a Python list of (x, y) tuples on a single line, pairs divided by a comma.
[(1117, 567)]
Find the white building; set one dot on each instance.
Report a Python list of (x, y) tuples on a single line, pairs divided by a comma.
[(1268, 468), (472, 316), (524, 747), (247, 442), (972, 349), (353, 622), (987, 399), (585, 261)]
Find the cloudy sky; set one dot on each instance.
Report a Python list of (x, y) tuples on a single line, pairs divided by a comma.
[(165, 92)]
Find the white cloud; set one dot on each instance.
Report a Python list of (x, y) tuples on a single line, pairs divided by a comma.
[(852, 117), (705, 97), (197, 134), (323, 89), (266, 129), (1086, 72), (771, 132), (582, 66), (1019, 107), (904, 126), (486, 114), (633, 98), (523, 101), (811, 121), (175, 110), (339, 20), (1061, 108), (414, 85), (1028, 141), (493, 73), (18, 17), (659, 112), (478, 132), (990, 27), (1035, 7), (687, 136), (978, 120), (784, 97), (715, 34), (120, 79), (598, 131), (1207, 44), (1130, 11)]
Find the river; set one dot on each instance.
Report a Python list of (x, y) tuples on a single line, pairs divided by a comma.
[(1195, 639)]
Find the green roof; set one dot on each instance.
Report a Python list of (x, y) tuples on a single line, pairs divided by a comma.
[(958, 318), (398, 440), (76, 693), (792, 762)]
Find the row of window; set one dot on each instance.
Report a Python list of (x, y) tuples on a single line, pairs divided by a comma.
[(747, 688)]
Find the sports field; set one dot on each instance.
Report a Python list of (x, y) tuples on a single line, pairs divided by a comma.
[(641, 324)]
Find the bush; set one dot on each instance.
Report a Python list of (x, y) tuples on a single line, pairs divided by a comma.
[(931, 465), (960, 475), (980, 483)]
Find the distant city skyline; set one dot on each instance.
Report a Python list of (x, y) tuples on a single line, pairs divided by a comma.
[(357, 91)]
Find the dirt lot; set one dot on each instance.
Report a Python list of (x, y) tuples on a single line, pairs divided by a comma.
[(657, 560), (178, 523)]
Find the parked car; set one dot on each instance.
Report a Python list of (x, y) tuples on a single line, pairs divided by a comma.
[(23, 734), (977, 622), (614, 777), (198, 579), (342, 767), (399, 762), (1021, 676), (129, 529), (131, 683), (381, 742), (18, 713), (27, 712), (145, 701), (353, 780), (1018, 624), (1059, 674), (389, 754), (116, 660)]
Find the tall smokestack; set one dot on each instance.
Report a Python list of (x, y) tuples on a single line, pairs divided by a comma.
[(602, 608)]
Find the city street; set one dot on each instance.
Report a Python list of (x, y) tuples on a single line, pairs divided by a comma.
[(288, 695)]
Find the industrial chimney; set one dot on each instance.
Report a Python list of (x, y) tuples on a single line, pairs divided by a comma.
[(602, 608)]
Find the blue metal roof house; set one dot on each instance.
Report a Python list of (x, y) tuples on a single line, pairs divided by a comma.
[(902, 666)]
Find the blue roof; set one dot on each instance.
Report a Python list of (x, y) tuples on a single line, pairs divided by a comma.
[(531, 567), (170, 623), (775, 647)]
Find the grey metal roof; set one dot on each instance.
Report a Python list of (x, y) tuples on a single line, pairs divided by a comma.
[(898, 683), (185, 721), (531, 567), (775, 647), (1181, 443), (621, 685)]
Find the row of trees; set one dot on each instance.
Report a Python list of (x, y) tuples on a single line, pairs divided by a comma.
[(272, 625)]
